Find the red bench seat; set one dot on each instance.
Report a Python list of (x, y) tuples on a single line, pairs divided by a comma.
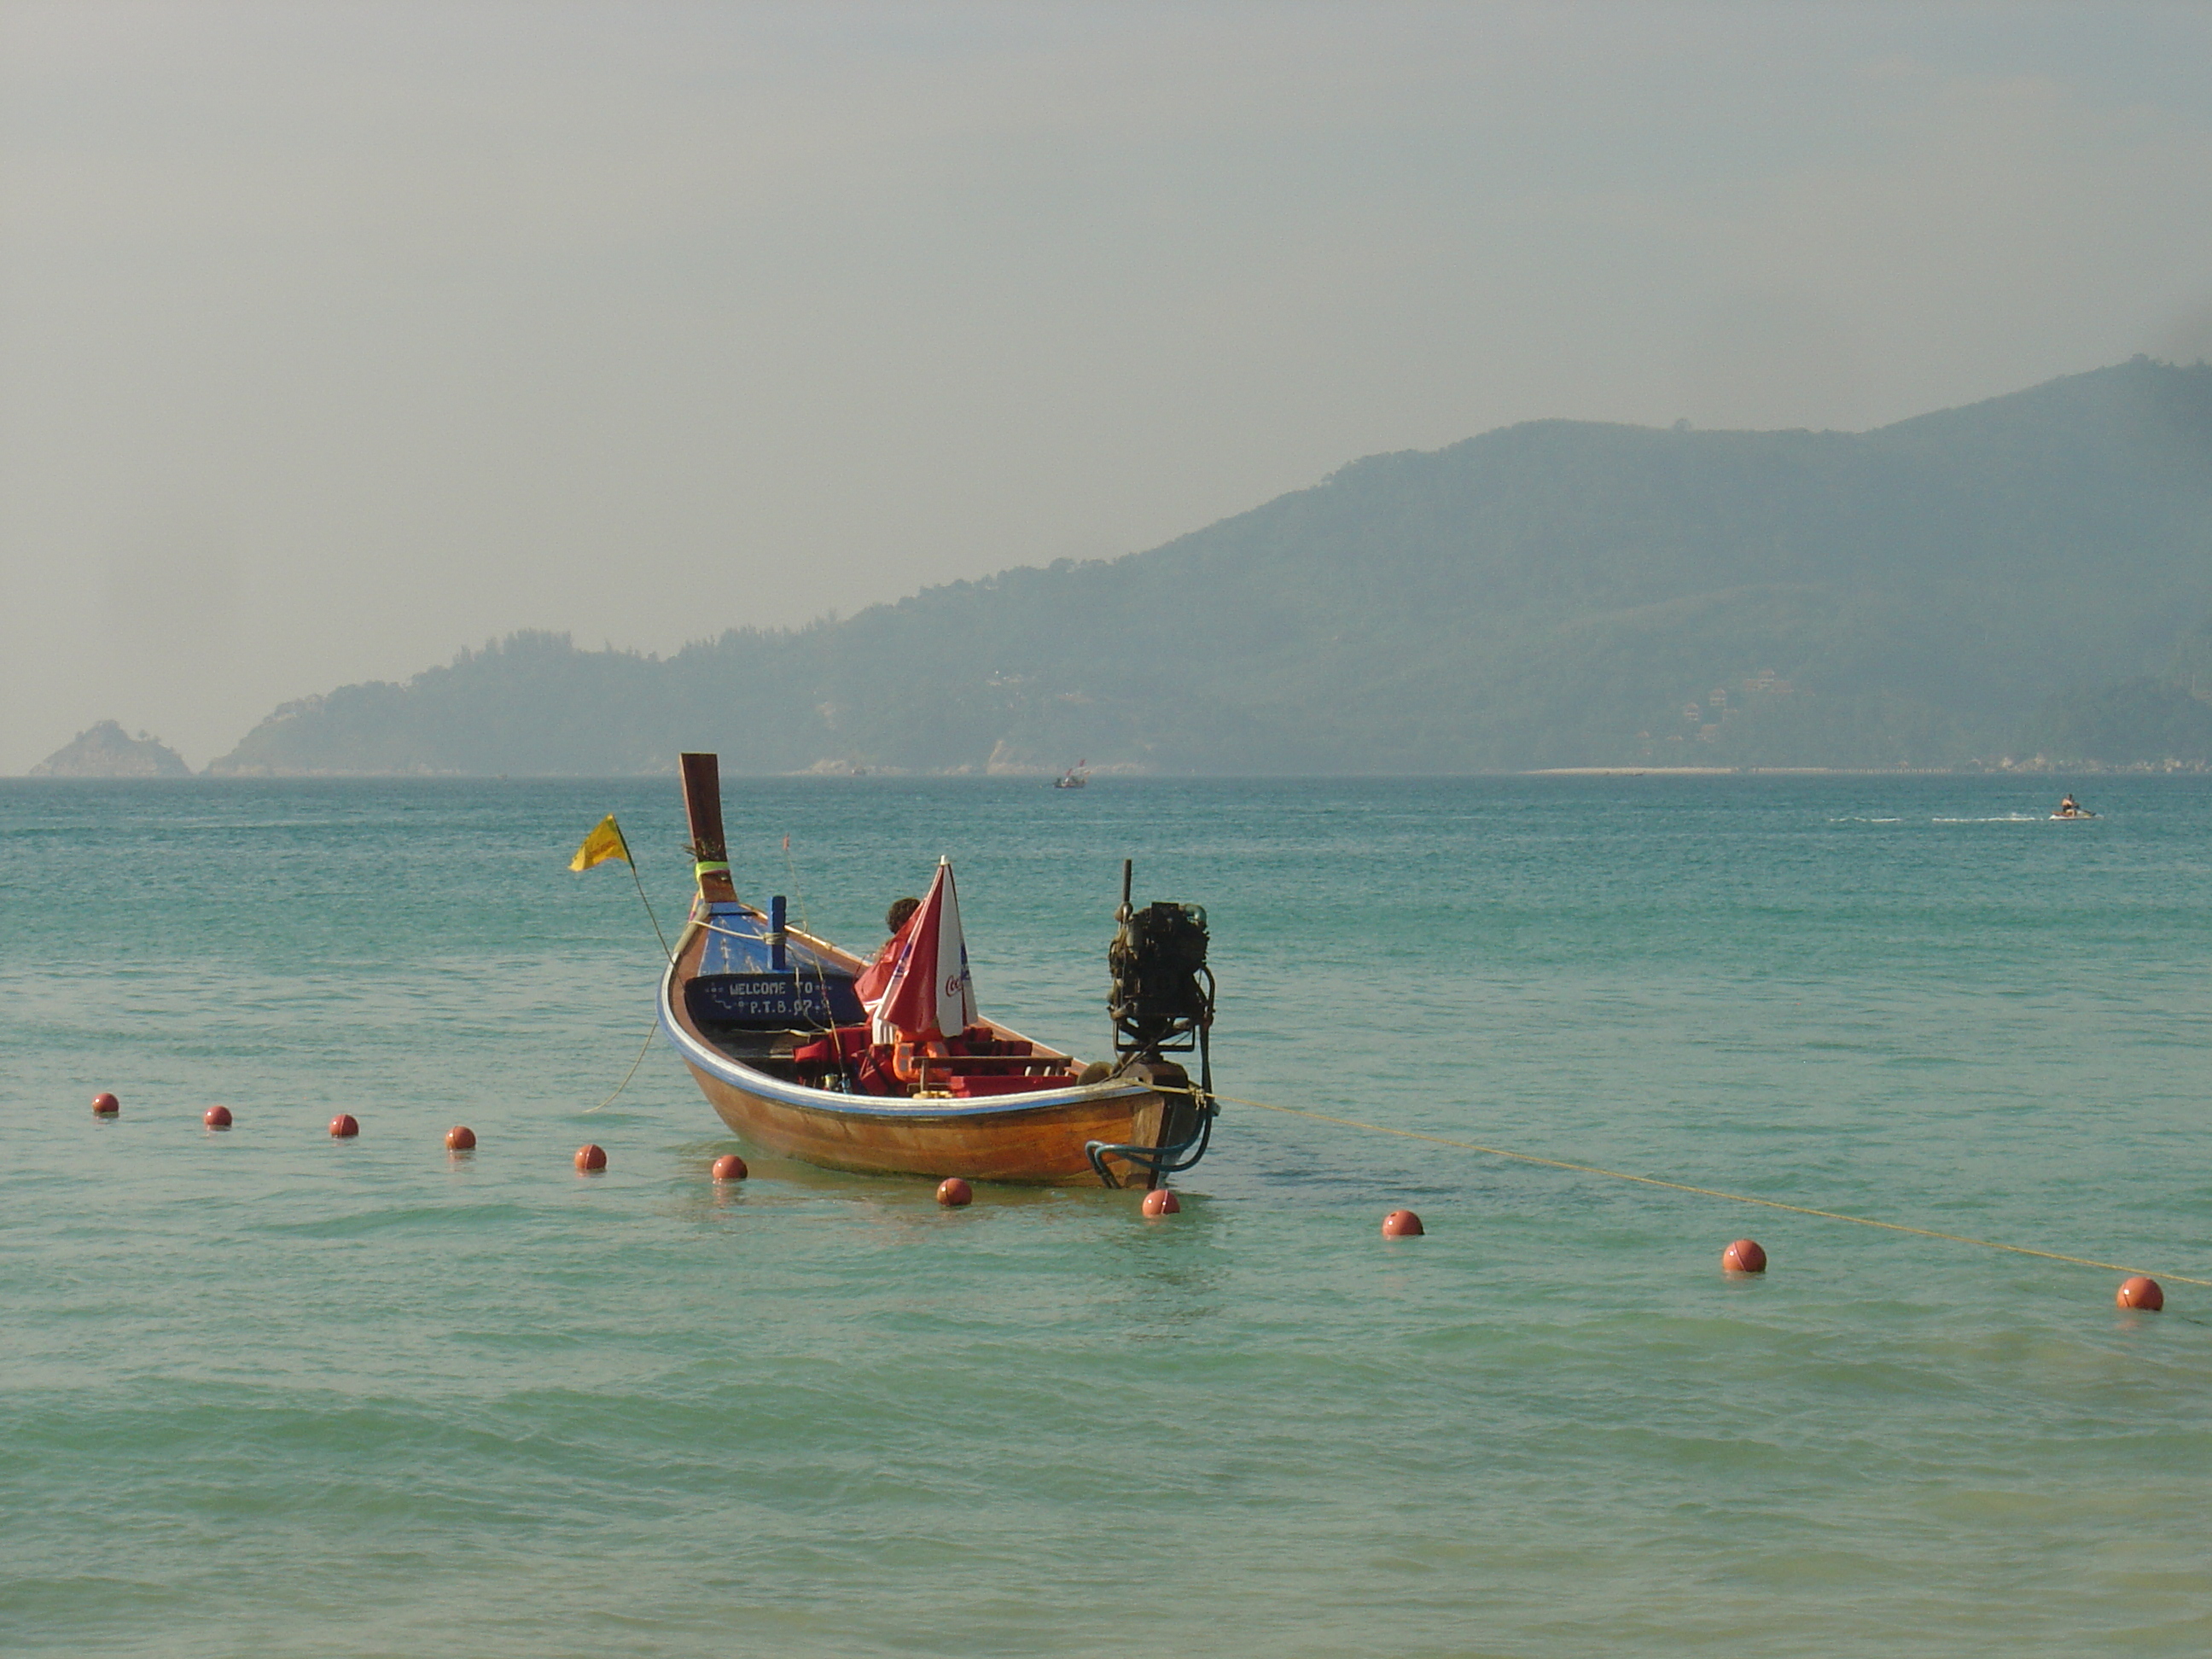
[(972, 1087), (978, 1065)]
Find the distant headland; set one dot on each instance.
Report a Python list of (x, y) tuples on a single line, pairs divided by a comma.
[(106, 751), (2023, 582)]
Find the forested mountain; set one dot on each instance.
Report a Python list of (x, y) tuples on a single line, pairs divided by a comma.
[(2028, 572)]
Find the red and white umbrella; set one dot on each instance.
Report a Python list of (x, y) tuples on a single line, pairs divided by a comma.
[(930, 993)]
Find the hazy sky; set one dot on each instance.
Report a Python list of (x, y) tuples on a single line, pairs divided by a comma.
[(334, 339)]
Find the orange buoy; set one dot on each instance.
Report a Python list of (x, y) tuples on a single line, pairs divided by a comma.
[(105, 1105), (2142, 1292), (346, 1125), (1161, 1201), (729, 1167), (590, 1160), (460, 1139), (953, 1192), (218, 1117), (1744, 1257), (1402, 1224)]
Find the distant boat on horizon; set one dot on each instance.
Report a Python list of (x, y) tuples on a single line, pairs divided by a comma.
[(1075, 777)]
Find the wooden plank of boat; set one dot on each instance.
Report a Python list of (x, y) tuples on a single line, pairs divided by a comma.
[(1040, 1137)]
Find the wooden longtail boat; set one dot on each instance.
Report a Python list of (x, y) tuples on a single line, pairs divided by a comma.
[(772, 1027)]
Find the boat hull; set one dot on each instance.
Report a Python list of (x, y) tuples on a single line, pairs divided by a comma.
[(1042, 1139), (1043, 1143)]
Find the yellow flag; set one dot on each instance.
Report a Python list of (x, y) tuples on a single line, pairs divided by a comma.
[(605, 842)]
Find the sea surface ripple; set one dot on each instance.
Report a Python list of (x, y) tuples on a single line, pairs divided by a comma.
[(265, 1392)]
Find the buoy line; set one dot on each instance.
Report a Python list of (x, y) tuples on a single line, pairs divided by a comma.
[(1700, 1192)]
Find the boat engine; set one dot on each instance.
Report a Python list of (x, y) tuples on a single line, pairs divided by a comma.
[(1162, 994), (1161, 1001)]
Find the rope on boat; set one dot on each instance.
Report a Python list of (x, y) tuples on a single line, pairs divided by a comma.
[(1700, 1192), (821, 967), (651, 1033), (802, 935)]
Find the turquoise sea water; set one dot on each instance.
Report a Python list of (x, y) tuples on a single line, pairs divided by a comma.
[(265, 1392)]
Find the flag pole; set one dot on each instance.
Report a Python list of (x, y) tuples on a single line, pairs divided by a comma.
[(665, 952)]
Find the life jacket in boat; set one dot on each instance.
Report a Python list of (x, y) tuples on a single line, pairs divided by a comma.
[(908, 1057)]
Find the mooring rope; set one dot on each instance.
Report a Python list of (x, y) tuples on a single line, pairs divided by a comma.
[(1700, 1192), (653, 1032)]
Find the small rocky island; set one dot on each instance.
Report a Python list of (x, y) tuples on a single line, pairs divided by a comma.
[(108, 751)]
